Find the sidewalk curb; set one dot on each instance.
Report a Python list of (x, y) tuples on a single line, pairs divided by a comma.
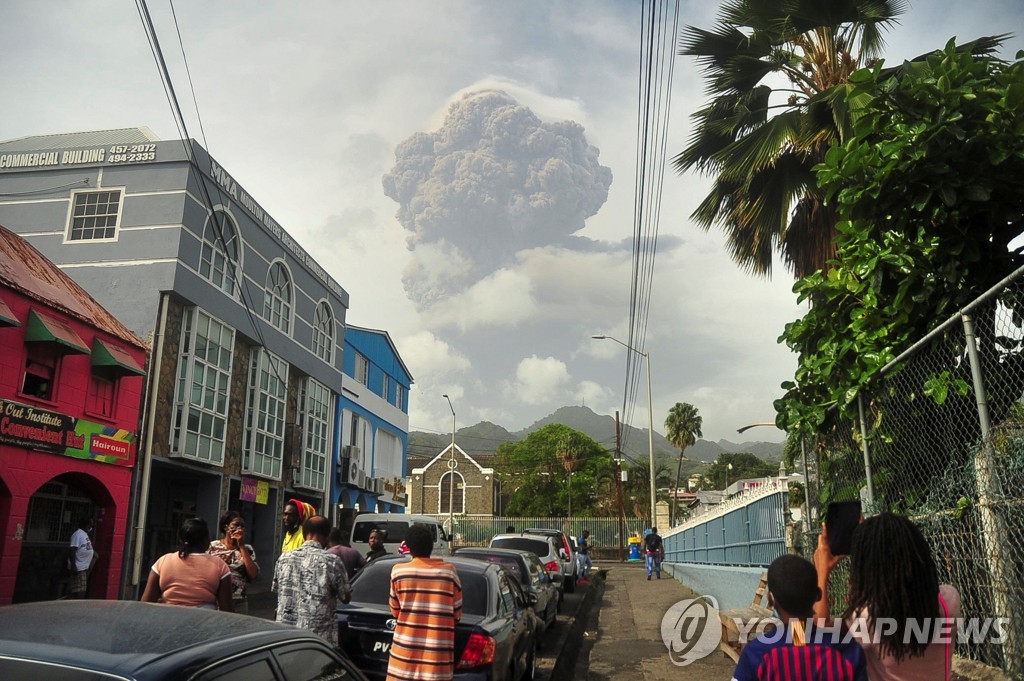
[(568, 656)]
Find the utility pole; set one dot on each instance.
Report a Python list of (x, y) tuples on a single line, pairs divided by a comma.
[(618, 486)]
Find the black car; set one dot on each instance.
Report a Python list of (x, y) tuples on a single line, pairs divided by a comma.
[(532, 576), (495, 639), (109, 640)]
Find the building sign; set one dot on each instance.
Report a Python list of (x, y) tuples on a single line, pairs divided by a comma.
[(395, 488), (255, 490), (114, 154), (48, 431)]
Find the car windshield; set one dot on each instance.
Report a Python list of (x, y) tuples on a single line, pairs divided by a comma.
[(537, 546), (373, 585)]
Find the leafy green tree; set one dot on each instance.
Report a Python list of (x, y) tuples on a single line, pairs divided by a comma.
[(744, 465), (682, 428), (931, 192), (536, 477), (930, 189), (769, 68)]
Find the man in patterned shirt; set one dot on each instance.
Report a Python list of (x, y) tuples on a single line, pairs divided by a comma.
[(309, 582)]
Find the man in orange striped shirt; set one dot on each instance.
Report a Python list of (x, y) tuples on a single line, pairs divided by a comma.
[(426, 599)]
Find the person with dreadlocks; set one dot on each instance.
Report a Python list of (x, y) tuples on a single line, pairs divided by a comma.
[(296, 512), (894, 592)]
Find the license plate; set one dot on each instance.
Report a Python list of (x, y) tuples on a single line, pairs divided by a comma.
[(377, 646)]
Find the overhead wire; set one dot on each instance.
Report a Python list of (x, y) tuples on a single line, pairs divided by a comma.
[(653, 110)]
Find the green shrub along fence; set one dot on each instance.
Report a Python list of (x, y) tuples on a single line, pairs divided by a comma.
[(604, 532)]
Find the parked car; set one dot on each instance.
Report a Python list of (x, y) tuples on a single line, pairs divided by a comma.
[(88, 640), (532, 576), (544, 548), (494, 641), (570, 567)]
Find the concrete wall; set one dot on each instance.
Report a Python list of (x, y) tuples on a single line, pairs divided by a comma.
[(732, 587)]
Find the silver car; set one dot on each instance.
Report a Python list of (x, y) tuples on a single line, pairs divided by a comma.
[(543, 547)]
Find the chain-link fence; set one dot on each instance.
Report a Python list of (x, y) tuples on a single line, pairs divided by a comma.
[(940, 439)]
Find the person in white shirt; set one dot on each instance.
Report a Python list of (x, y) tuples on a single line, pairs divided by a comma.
[(80, 559)]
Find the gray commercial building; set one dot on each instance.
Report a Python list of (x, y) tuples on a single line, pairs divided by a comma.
[(245, 327)]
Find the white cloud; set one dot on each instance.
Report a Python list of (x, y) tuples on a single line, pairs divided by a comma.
[(539, 381)]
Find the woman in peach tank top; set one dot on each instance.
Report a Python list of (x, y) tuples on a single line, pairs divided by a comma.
[(190, 577)]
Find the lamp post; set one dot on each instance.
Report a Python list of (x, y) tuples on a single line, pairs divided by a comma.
[(807, 480), (650, 419), (452, 463)]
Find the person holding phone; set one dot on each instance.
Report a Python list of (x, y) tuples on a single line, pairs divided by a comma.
[(239, 556), (893, 582)]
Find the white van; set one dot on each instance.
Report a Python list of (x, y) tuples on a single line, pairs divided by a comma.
[(394, 526)]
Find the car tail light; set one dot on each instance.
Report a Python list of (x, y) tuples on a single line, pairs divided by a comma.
[(565, 545), (479, 651), (553, 566)]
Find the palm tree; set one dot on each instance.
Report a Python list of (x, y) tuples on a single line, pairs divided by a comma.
[(682, 428), (771, 69)]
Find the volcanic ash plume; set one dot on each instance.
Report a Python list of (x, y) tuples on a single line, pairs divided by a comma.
[(492, 181)]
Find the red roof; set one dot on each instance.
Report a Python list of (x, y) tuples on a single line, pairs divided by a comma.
[(25, 269)]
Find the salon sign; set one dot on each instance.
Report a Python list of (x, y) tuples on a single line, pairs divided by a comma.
[(42, 430)]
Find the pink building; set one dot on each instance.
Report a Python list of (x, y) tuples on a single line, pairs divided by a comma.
[(71, 386)]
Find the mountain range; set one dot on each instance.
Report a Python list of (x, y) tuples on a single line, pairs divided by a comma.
[(483, 439)]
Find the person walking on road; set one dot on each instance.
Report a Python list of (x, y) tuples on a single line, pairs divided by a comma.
[(653, 548), (426, 599), (309, 583), (586, 564)]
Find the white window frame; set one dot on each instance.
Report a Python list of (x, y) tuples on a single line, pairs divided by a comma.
[(362, 368), (323, 332), (443, 485), (220, 258), (278, 296), (385, 385), (68, 233), (265, 415), (399, 395), (316, 404), (202, 394)]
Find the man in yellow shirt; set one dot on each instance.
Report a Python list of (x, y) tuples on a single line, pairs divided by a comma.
[(295, 514)]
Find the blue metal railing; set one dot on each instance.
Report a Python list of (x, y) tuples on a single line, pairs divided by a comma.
[(753, 534)]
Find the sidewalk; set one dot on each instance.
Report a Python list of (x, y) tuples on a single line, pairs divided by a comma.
[(628, 645)]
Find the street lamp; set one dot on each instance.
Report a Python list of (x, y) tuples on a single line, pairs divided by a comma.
[(650, 418), (452, 464), (807, 479)]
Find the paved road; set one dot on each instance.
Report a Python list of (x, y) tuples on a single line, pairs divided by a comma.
[(624, 632)]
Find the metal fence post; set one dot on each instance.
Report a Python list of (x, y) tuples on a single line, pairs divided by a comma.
[(993, 538), (867, 455)]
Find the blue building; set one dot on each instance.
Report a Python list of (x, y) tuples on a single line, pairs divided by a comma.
[(372, 433)]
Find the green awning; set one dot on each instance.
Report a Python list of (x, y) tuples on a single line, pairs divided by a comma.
[(7, 317), (44, 329), (106, 354)]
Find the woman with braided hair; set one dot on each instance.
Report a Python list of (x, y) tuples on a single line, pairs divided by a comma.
[(905, 619)]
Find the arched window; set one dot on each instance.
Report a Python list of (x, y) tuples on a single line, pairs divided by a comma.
[(218, 260), (277, 297), (446, 491), (323, 331)]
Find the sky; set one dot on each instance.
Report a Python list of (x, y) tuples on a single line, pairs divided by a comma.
[(466, 171)]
